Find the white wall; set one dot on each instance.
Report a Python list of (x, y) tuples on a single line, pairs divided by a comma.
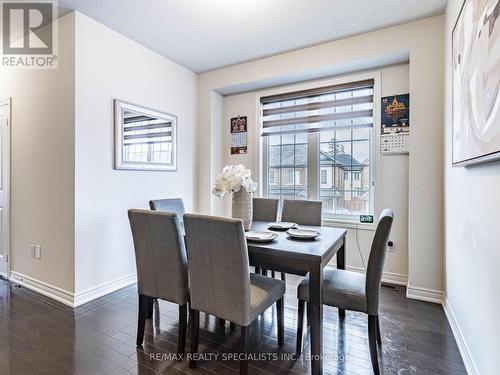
[(393, 182), (42, 165), (109, 66), (472, 243), (421, 41)]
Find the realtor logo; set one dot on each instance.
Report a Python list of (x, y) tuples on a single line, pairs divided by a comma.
[(29, 34)]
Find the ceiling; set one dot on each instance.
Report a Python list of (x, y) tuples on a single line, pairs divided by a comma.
[(203, 35)]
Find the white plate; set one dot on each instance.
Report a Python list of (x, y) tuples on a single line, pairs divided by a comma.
[(258, 236), (309, 234), (281, 225)]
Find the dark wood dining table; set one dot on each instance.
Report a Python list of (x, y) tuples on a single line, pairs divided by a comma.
[(301, 257)]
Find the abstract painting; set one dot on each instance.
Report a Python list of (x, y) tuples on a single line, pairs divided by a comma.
[(476, 81)]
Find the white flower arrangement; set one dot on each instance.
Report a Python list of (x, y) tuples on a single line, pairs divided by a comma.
[(232, 179)]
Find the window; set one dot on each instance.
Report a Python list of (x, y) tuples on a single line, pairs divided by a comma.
[(336, 123), (324, 177), (272, 177), (144, 139)]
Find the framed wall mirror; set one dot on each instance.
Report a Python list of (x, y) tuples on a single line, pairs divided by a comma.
[(145, 139)]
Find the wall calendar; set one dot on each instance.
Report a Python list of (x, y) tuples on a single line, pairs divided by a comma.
[(395, 124), (239, 135)]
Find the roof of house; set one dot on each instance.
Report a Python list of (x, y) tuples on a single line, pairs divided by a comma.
[(345, 161), (296, 156)]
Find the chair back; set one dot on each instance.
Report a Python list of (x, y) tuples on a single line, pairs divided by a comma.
[(265, 209), (160, 255), (302, 212), (218, 267), (376, 260), (169, 205)]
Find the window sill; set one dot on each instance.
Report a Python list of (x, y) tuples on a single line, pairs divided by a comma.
[(349, 224)]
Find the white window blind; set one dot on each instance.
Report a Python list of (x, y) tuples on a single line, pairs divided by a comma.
[(320, 109)]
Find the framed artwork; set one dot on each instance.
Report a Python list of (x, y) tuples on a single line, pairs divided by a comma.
[(476, 80), (145, 139)]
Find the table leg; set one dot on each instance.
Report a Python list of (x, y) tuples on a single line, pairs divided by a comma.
[(341, 266), (316, 319)]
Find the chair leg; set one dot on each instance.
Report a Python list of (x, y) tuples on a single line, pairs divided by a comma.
[(264, 272), (300, 325), (273, 274), (195, 332), (151, 307), (142, 316), (280, 309), (283, 276), (308, 313), (341, 313), (257, 270), (379, 337), (372, 339), (181, 342), (243, 350)]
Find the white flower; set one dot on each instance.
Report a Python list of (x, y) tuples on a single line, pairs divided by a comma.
[(232, 179)]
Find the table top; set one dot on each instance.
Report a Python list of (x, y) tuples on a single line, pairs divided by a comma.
[(317, 250)]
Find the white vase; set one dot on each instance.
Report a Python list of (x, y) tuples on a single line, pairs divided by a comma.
[(242, 207)]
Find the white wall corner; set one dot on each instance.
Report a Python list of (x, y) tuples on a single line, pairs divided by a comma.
[(424, 294), (470, 364)]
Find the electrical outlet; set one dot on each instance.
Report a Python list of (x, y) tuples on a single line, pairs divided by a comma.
[(390, 246), (36, 251)]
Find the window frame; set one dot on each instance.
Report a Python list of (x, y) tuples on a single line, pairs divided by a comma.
[(313, 174)]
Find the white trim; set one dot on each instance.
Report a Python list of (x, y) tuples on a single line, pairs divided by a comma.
[(46, 289), (349, 224), (6, 149), (424, 294), (470, 364), (103, 289), (387, 277), (69, 298)]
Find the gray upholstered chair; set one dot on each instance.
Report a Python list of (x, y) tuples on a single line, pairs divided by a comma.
[(265, 209), (169, 205), (302, 212), (161, 262), (355, 291), (220, 281)]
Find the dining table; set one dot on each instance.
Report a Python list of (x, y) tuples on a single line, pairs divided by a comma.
[(302, 257)]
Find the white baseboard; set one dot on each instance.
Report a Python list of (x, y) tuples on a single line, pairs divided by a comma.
[(103, 289), (387, 277), (424, 294), (470, 364), (46, 289), (69, 298)]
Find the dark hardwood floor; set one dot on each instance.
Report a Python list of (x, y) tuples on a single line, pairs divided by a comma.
[(40, 336)]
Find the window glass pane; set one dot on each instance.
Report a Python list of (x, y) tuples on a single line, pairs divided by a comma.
[(345, 154), (287, 161)]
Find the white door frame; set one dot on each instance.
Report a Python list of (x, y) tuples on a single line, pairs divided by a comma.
[(6, 148)]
